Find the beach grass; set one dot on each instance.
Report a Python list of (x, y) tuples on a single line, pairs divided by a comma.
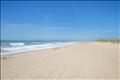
[(109, 40)]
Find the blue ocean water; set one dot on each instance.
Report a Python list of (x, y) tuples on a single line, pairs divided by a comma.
[(18, 46)]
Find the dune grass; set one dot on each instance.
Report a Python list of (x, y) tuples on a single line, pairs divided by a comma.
[(109, 40)]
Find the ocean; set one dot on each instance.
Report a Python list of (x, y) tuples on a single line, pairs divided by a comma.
[(15, 46)]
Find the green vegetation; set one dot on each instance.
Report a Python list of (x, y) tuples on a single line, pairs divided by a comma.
[(110, 41)]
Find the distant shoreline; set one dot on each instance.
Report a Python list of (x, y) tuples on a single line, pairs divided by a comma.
[(39, 47), (32, 50)]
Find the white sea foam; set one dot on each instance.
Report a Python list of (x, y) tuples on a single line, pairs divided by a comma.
[(21, 47), (16, 44)]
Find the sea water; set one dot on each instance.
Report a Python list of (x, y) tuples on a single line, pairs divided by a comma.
[(15, 47)]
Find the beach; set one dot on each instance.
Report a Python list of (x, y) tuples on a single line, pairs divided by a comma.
[(89, 60)]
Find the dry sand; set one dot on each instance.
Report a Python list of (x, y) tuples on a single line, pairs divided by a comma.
[(89, 61)]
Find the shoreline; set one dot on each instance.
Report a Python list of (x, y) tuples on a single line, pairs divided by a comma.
[(39, 48), (27, 51), (30, 51), (80, 61)]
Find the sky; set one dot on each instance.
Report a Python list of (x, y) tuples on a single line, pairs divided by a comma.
[(60, 20)]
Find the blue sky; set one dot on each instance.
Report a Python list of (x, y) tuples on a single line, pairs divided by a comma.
[(67, 20)]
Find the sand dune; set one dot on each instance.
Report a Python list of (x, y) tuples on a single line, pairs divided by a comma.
[(93, 60)]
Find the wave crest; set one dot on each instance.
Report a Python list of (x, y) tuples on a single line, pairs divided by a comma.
[(16, 44)]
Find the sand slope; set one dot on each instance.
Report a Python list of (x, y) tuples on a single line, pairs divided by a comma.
[(91, 60)]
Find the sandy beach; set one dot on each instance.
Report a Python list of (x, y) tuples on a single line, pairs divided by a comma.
[(92, 60)]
